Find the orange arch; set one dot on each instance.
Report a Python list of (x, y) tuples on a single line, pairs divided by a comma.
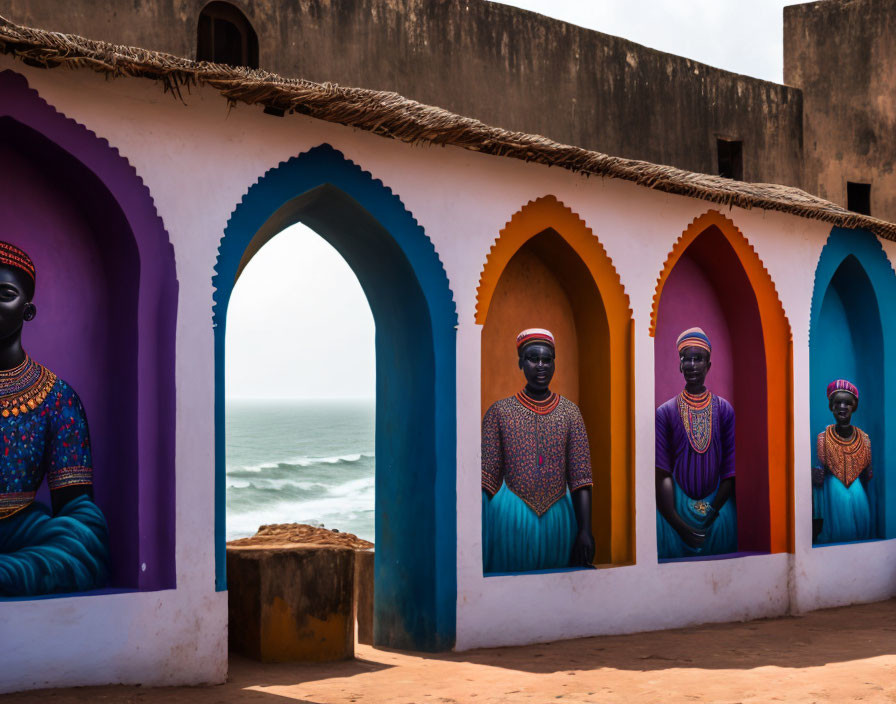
[(778, 343), (613, 454)]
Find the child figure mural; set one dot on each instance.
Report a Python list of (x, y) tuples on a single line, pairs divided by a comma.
[(536, 472), (696, 512), (841, 511), (44, 431)]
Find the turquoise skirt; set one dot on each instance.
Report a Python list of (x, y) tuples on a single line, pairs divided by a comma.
[(846, 512), (722, 535), (515, 539), (45, 554)]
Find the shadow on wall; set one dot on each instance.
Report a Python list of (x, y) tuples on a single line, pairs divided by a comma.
[(713, 279), (549, 270), (851, 336), (107, 297)]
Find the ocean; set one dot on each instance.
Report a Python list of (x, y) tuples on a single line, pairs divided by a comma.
[(300, 462)]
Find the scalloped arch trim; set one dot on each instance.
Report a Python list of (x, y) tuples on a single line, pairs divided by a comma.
[(870, 256), (309, 170), (613, 461), (760, 279), (533, 218), (869, 252), (413, 307), (778, 344), (156, 315)]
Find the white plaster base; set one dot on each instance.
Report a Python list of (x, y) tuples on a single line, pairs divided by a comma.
[(152, 638)]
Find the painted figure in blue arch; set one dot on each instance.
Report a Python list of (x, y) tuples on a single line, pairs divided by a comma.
[(696, 512), (841, 510), (44, 433), (536, 472)]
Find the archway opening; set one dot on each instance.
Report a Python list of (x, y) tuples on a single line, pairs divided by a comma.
[(413, 311), (92, 327), (708, 287), (300, 391), (225, 36), (546, 284), (847, 342)]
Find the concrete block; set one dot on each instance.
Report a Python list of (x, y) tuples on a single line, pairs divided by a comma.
[(291, 603)]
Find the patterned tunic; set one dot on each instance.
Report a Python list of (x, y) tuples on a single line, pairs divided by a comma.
[(845, 459), (44, 432), (536, 454), (698, 460)]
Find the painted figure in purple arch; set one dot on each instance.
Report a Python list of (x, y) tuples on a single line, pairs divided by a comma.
[(44, 432), (841, 511), (696, 512), (536, 472)]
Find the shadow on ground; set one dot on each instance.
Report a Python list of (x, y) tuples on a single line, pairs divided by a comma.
[(816, 639), (836, 640)]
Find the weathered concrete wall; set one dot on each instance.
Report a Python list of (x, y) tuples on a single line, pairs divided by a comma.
[(842, 53), (502, 65)]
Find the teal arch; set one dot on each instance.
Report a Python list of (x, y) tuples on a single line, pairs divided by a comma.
[(415, 589), (852, 334)]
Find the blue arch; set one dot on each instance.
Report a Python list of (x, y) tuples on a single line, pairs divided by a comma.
[(415, 589), (852, 334)]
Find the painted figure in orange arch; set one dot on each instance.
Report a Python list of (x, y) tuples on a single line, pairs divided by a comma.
[(695, 461), (536, 472)]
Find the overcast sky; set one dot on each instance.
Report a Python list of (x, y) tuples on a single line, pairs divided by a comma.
[(299, 325)]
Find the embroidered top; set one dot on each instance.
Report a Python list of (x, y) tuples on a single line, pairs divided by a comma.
[(44, 431), (537, 454), (845, 459), (695, 444)]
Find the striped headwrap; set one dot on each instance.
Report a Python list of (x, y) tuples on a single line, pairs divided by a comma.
[(12, 256), (693, 337), (527, 337), (842, 385)]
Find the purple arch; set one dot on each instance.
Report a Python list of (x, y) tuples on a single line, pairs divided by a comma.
[(107, 308), (708, 287)]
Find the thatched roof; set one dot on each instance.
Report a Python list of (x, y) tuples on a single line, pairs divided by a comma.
[(390, 115)]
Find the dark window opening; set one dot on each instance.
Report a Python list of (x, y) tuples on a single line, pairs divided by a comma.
[(858, 197), (226, 37), (731, 159)]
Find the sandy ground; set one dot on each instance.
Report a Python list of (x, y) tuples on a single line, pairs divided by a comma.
[(838, 655)]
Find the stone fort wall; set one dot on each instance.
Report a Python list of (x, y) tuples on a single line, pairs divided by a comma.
[(502, 65)]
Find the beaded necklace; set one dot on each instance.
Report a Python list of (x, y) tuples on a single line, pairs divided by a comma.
[(845, 458), (542, 408), (24, 388), (696, 416)]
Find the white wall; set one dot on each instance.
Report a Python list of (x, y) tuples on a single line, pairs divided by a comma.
[(198, 160)]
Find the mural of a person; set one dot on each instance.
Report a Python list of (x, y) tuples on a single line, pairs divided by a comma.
[(536, 472), (841, 510), (44, 432), (696, 513)]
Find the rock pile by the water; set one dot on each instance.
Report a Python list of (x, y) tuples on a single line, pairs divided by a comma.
[(301, 534)]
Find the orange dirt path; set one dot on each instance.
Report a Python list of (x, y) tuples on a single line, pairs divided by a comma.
[(837, 655)]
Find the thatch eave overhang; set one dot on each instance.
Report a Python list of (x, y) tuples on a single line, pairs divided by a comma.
[(390, 115)]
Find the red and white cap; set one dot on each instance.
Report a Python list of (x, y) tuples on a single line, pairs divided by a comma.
[(534, 335)]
